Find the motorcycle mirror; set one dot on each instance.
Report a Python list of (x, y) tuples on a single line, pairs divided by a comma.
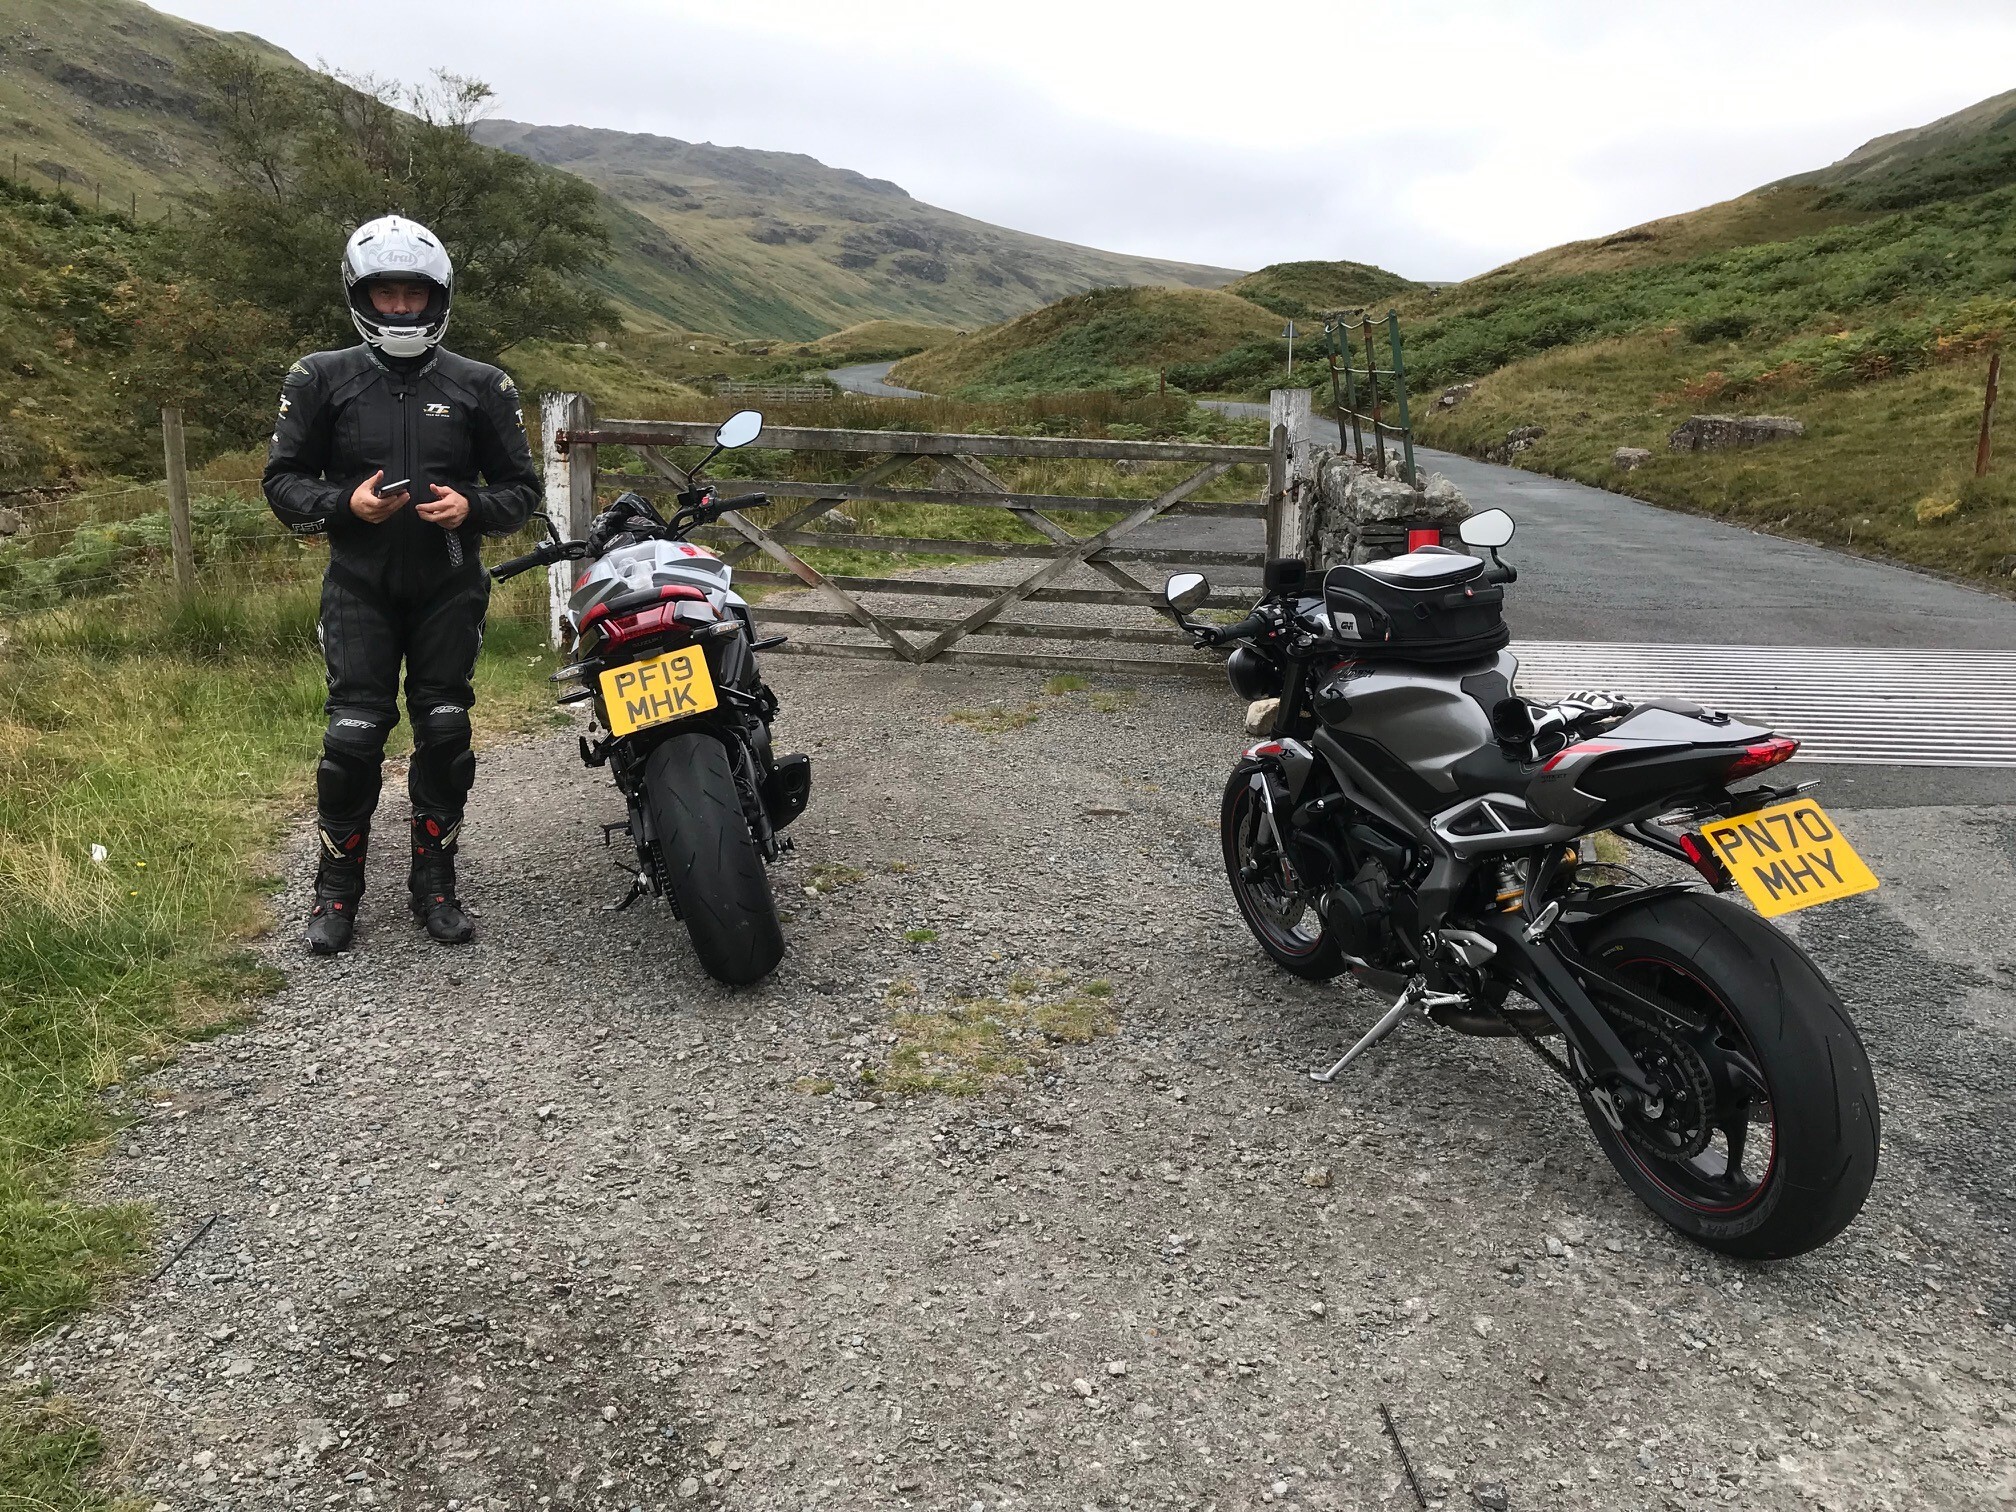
[(739, 429), (1186, 591), (1491, 529)]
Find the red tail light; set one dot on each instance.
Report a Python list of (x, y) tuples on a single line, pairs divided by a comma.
[(669, 592), (1759, 757), (1416, 539), (623, 627)]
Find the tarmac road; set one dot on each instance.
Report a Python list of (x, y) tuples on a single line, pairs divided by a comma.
[(870, 378), (1597, 566)]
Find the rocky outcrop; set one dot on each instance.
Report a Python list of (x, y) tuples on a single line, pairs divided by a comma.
[(1454, 395), (1630, 458), (1519, 438), (11, 522), (1360, 515), (1718, 432)]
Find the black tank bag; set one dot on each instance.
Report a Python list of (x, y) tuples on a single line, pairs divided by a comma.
[(1424, 607)]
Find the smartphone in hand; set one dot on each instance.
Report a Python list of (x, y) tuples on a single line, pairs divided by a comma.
[(385, 489)]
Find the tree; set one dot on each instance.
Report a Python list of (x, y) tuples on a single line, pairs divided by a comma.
[(310, 157)]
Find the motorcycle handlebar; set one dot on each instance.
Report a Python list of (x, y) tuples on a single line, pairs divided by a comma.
[(1217, 635), (544, 555)]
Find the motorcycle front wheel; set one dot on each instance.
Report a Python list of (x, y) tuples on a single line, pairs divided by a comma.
[(1281, 913), (710, 860), (1767, 1143)]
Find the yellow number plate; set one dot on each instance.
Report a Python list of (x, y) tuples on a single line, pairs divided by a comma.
[(1789, 857), (652, 692)]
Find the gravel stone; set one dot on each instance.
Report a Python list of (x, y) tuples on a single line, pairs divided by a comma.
[(560, 1171)]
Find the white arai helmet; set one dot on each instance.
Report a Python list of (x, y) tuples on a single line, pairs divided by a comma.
[(393, 247)]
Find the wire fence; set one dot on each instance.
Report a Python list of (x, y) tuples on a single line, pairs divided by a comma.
[(59, 548), (66, 183)]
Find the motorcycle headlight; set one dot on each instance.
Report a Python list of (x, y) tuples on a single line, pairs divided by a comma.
[(1252, 675)]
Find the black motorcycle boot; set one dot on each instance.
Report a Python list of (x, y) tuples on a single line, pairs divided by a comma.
[(432, 881), (339, 886)]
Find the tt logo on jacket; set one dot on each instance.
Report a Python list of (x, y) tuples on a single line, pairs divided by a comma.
[(437, 411)]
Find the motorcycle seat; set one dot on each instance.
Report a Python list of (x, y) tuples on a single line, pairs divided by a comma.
[(1429, 567)]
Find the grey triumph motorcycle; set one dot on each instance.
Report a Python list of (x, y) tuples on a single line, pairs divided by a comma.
[(1409, 818)]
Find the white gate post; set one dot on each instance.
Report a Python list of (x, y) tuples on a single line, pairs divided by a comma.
[(557, 413), (1289, 428)]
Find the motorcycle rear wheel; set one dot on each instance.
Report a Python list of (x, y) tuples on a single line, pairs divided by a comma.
[(1793, 1132), (1283, 919), (710, 859)]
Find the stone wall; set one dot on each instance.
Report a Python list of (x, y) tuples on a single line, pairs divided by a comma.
[(1360, 515)]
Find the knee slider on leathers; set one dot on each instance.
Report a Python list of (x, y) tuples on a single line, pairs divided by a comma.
[(444, 768), (347, 780)]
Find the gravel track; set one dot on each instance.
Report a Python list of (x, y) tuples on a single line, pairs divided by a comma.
[(554, 1221)]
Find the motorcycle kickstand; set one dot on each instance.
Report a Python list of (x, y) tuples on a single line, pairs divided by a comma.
[(636, 892), (1414, 995)]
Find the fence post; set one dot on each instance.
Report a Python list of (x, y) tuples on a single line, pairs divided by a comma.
[(181, 539), (556, 412), (1400, 393), (1291, 471), (580, 470), (1987, 415)]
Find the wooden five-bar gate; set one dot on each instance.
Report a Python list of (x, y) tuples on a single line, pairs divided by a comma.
[(572, 436)]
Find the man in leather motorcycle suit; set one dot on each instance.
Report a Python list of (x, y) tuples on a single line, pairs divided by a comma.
[(405, 581)]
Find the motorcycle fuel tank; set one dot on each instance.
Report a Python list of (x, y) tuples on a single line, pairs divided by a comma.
[(1421, 714)]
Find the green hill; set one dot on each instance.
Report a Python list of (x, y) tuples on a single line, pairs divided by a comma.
[(1861, 298), (93, 90), (705, 238), (1117, 339), (780, 244), (1309, 290), (1969, 152)]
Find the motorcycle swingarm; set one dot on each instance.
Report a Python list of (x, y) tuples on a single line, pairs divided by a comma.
[(1545, 977)]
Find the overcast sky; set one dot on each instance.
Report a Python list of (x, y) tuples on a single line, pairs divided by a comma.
[(1436, 137)]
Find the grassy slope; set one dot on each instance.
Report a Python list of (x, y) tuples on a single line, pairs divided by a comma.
[(1107, 339), (1767, 215), (92, 87), (872, 340), (1861, 299), (60, 410), (105, 967), (1967, 152), (1871, 456), (779, 244), (1307, 290)]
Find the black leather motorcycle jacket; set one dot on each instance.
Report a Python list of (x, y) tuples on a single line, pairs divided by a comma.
[(440, 419)]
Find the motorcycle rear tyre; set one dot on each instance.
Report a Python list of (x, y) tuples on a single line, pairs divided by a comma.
[(1824, 1110), (711, 861)]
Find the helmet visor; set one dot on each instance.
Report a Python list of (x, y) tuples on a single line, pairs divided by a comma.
[(401, 313)]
